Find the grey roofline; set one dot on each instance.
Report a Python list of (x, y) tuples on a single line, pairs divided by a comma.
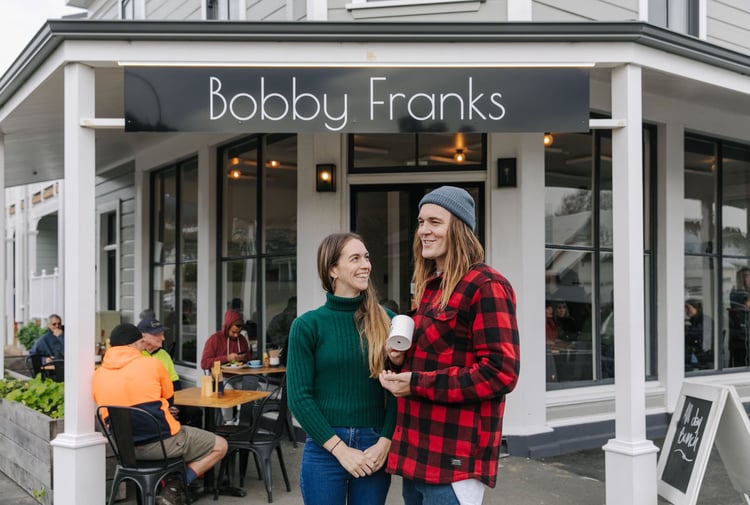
[(55, 32)]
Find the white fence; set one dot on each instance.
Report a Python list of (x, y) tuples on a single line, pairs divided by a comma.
[(46, 295)]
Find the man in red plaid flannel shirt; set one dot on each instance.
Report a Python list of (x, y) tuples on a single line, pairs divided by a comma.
[(451, 384)]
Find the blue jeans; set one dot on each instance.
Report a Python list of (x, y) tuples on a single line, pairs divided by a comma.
[(324, 481), (419, 493)]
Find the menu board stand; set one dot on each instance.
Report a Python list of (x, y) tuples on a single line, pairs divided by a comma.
[(705, 414)]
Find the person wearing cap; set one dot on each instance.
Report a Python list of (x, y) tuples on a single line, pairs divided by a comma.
[(153, 338), (129, 379), (451, 384)]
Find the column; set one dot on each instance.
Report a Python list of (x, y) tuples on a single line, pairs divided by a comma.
[(79, 453), (516, 250), (630, 459), (7, 337)]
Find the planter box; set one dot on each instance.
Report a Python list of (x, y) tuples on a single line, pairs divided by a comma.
[(25, 436)]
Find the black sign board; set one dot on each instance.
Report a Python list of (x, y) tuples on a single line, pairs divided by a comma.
[(706, 414), (683, 452), (361, 99)]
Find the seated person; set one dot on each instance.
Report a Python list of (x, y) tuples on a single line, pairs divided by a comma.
[(278, 328), (129, 379), (228, 344), (51, 344), (152, 332)]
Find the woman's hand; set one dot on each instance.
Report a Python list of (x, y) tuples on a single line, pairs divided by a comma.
[(399, 384), (378, 454), (353, 460)]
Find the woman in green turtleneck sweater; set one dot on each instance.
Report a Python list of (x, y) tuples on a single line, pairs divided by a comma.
[(335, 355)]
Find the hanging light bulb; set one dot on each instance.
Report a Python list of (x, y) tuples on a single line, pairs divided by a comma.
[(459, 156), (274, 164), (548, 139), (235, 173)]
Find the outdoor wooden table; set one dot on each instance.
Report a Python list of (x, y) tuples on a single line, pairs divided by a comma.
[(191, 397), (247, 370)]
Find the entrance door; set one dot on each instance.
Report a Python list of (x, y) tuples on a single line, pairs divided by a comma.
[(386, 217)]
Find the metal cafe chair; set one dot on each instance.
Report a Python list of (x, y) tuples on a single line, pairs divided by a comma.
[(261, 442), (117, 425)]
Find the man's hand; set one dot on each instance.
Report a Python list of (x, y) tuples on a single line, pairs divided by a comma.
[(399, 384)]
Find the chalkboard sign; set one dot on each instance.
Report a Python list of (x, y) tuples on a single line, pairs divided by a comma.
[(705, 414), (683, 451)]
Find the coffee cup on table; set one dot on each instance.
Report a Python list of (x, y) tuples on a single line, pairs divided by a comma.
[(402, 330)]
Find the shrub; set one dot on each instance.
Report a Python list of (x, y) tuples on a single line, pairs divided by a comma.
[(29, 334), (43, 395)]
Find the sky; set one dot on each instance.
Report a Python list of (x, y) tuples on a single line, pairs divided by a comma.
[(19, 22)]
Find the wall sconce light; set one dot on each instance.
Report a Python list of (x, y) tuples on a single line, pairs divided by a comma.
[(506, 173), (234, 173), (548, 139), (325, 177), (459, 156)]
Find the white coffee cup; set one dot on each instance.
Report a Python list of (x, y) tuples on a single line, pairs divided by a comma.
[(274, 360), (402, 330)]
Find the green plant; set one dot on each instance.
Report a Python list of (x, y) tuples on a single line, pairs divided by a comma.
[(29, 334), (43, 395)]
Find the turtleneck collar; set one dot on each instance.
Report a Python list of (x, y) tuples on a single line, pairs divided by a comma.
[(334, 302)]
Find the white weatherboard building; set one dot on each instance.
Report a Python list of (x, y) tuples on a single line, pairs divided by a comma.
[(640, 210)]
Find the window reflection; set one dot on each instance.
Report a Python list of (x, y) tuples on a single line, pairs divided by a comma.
[(578, 255), (454, 151)]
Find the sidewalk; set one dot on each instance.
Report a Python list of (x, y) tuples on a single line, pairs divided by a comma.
[(574, 479)]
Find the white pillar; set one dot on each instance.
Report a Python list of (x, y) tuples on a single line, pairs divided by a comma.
[(671, 260), (630, 459), (207, 237), (517, 251), (78, 453)]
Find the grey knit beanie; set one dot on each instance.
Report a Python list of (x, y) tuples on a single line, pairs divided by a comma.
[(455, 200)]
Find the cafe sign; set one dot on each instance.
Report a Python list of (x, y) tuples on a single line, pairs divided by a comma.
[(362, 100)]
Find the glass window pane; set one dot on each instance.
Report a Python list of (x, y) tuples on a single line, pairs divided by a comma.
[(605, 191), (240, 291), (700, 195), (568, 191), (649, 146), (607, 316), (700, 326), (185, 324), (380, 150), (280, 194), (569, 284), (737, 279), (281, 299), (189, 211), (463, 149), (240, 213), (735, 208), (165, 218)]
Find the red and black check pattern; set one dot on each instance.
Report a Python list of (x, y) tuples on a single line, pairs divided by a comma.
[(465, 360)]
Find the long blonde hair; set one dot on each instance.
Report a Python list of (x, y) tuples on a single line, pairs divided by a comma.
[(464, 251), (371, 320)]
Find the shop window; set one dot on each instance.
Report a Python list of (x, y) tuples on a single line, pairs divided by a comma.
[(579, 275), (416, 152), (174, 260), (717, 255), (108, 233), (258, 209)]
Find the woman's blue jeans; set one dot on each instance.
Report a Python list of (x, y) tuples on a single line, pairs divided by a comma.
[(419, 493), (325, 482)]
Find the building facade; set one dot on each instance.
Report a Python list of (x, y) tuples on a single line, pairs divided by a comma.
[(642, 211)]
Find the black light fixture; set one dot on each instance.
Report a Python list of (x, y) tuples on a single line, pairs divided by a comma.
[(325, 177), (506, 173)]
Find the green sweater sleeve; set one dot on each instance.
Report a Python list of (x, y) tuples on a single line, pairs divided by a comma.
[(300, 381)]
